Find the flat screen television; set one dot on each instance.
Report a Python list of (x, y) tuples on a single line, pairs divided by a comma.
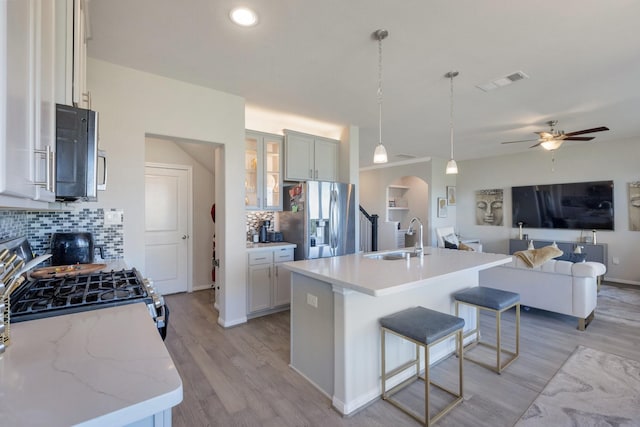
[(577, 205)]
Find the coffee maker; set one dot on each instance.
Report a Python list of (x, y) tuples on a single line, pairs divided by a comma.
[(264, 231)]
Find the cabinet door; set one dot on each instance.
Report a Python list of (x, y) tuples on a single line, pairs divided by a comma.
[(259, 287), (16, 97), (45, 106), (272, 196), (326, 160), (299, 157), (252, 180), (281, 286), (80, 94)]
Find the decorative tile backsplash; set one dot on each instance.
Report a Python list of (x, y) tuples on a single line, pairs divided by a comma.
[(254, 220), (38, 226)]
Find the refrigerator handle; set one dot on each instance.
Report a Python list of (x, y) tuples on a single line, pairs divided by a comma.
[(333, 222)]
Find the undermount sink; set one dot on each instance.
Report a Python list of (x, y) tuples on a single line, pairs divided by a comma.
[(392, 255)]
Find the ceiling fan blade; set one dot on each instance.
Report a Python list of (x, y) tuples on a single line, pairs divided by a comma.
[(521, 140), (579, 138), (536, 145), (580, 132)]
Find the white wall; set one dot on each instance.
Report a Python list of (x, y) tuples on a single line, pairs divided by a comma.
[(374, 182), (617, 161), (133, 103), (168, 152)]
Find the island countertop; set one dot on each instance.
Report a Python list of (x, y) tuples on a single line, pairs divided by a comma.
[(103, 367), (378, 277)]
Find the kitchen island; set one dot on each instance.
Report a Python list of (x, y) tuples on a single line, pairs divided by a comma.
[(336, 303), (106, 367)]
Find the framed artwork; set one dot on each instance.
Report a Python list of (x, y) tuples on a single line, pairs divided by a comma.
[(489, 207), (451, 195), (634, 206), (442, 207)]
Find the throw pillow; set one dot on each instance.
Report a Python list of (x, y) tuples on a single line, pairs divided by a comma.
[(449, 245), (464, 247), (572, 257)]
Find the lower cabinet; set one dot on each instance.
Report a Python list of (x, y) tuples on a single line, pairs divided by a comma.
[(269, 287)]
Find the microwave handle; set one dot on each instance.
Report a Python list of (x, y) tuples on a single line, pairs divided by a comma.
[(102, 186)]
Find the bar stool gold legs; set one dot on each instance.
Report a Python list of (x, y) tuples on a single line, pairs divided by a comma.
[(499, 302), (432, 337)]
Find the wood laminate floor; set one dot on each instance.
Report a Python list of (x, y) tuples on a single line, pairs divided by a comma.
[(240, 376)]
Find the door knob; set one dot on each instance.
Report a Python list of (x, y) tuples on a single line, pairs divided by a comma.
[(184, 237)]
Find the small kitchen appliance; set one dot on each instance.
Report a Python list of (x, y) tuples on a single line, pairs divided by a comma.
[(264, 231), (73, 248)]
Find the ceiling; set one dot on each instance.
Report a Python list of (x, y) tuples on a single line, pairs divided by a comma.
[(317, 59)]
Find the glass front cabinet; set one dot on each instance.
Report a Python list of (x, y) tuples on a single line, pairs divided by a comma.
[(263, 171)]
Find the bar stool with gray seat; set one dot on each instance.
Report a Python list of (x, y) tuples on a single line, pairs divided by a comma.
[(424, 328), (497, 301)]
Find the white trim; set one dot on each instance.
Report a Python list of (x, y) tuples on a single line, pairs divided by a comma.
[(626, 282), (231, 323)]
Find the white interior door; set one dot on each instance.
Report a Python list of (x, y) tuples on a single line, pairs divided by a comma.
[(167, 213)]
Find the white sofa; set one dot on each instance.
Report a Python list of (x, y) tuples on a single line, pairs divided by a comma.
[(559, 286)]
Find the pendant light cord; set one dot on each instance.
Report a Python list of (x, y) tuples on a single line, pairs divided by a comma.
[(380, 89), (451, 114)]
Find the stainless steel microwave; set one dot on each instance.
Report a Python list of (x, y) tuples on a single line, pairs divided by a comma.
[(81, 168)]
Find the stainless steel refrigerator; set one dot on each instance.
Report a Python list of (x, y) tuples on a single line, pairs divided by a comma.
[(319, 217)]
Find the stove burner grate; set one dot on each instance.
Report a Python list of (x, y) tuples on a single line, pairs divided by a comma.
[(70, 292)]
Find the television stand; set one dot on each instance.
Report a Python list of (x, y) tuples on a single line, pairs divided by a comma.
[(597, 252)]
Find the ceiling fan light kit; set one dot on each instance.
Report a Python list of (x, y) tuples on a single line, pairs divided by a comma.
[(553, 139), (380, 153), (452, 166)]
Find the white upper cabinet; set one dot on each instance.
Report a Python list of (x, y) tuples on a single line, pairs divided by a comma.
[(309, 157), (71, 59), (263, 171), (27, 102)]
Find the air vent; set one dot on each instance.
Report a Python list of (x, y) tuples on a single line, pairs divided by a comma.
[(502, 81), (518, 75)]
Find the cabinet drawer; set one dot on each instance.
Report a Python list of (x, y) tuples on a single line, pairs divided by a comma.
[(256, 258), (285, 254)]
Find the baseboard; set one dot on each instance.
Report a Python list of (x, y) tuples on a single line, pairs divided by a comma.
[(231, 323), (624, 281)]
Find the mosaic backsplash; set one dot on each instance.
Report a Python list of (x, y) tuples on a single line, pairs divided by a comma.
[(254, 220), (38, 226)]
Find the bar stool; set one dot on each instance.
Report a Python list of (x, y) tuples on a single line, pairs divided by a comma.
[(497, 301), (424, 328)]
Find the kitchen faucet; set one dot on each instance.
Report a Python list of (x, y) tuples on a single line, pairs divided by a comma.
[(418, 248)]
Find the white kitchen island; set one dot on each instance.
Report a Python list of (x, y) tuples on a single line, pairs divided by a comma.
[(336, 303), (106, 367)]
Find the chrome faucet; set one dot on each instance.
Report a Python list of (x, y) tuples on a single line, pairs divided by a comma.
[(419, 249)]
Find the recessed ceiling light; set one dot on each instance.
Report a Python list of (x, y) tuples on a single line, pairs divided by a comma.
[(244, 16)]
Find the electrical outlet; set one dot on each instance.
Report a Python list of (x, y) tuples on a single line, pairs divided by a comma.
[(312, 300), (616, 260), (113, 217)]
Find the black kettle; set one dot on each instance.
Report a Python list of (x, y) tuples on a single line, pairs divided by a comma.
[(72, 248)]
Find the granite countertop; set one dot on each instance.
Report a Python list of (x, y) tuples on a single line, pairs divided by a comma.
[(251, 247), (101, 367), (379, 277)]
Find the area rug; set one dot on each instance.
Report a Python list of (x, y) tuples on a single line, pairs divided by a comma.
[(619, 305), (592, 388)]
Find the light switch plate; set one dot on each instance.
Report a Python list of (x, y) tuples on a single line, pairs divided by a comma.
[(113, 217)]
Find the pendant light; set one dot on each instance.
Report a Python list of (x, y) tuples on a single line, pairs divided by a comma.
[(380, 154), (452, 166)]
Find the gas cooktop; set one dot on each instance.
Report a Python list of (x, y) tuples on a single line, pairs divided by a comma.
[(63, 295)]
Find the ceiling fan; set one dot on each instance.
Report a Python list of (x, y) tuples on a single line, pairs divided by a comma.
[(553, 139)]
